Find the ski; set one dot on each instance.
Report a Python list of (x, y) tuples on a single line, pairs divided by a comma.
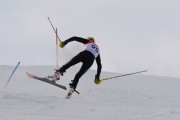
[(45, 80)]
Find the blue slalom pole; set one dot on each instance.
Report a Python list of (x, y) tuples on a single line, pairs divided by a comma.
[(12, 73)]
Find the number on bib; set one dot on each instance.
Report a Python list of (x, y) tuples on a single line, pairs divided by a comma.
[(95, 48)]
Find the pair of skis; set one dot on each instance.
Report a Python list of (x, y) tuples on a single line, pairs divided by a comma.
[(53, 83)]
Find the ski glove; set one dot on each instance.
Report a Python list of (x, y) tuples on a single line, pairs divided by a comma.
[(61, 44), (97, 80)]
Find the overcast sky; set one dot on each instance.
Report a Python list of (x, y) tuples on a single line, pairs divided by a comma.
[(132, 35)]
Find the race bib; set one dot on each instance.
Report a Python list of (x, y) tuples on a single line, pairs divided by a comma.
[(93, 48)]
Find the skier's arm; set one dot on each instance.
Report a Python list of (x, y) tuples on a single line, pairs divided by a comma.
[(78, 39), (99, 66)]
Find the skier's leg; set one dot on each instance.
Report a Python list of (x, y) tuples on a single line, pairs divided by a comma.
[(72, 62), (60, 71), (83, 69)]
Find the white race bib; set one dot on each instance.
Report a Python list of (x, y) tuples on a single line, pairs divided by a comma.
[(93, 48)]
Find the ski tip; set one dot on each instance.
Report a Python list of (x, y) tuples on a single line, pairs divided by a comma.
[(29, 75)]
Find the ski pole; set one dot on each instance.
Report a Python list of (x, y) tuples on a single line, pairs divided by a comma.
[(53, 28), (12, 74), (123, 75)]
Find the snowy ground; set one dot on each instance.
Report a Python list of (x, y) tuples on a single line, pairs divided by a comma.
[(136, 97)]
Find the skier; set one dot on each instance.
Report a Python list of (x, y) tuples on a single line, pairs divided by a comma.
[(87, 57)]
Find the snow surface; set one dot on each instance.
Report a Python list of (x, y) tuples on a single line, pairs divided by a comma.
[(135, 97)]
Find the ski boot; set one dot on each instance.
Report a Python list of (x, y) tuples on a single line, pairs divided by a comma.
[(71, 90), (54, 77)]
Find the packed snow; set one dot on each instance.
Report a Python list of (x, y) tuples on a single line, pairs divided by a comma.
[(134, 97)]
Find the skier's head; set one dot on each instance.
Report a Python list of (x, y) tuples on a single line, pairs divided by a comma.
[(91, 39)]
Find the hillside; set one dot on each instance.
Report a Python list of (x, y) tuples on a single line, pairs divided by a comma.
[(135, 97)]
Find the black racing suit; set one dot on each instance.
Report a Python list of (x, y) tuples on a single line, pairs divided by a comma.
[(87, 59)]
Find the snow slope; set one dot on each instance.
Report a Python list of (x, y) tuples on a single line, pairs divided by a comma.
[(135, 97)]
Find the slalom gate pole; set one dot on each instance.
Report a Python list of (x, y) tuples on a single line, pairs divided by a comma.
[(123, 75), (53, 28), (57, 48), (12, 74)]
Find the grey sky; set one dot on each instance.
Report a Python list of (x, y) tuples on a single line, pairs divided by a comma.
[(133, 35)]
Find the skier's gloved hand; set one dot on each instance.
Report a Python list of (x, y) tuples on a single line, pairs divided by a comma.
[(61, 44), (97, 80)]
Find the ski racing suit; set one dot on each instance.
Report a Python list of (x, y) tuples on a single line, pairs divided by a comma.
[(87, 58)]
